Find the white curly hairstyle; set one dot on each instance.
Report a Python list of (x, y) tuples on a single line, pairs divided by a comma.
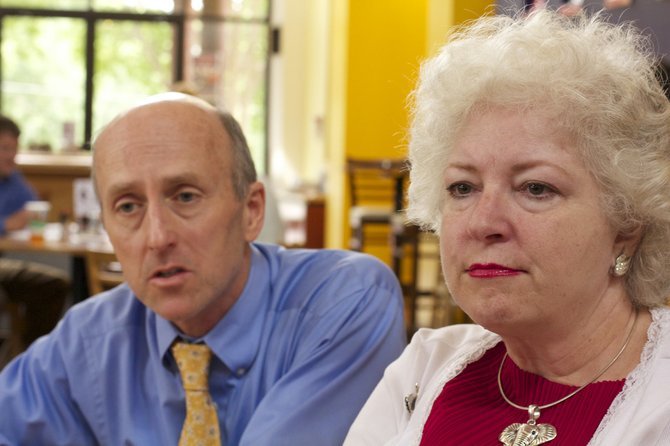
[(596, 81)]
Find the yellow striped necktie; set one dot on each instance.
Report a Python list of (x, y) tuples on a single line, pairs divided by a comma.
[(201, 426)]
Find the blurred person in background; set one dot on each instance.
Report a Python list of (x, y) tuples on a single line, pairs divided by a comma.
[(15, 192), (39, 290)]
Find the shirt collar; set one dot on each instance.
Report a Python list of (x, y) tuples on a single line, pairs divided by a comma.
[(7, 178), (235, 340)]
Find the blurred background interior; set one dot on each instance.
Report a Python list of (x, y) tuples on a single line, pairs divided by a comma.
[(320, 87)]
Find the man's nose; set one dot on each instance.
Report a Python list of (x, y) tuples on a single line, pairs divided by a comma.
[(159, 227)]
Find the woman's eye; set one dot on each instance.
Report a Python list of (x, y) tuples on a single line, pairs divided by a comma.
[(460, 189), (536, 189)]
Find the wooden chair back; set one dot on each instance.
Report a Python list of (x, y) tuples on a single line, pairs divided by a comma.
[(103, 271), (11, 343), (377, 182)]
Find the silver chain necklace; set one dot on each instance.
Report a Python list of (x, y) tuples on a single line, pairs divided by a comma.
[(531, 433)]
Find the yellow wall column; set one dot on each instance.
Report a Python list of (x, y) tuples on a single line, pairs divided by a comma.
[(376, 50)]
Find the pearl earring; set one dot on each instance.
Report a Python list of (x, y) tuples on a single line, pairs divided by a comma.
[(621, 265)]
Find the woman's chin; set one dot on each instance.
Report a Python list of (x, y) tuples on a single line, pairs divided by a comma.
[(494, 316)]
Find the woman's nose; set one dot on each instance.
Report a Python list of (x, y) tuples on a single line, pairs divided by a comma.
[(489, 218)]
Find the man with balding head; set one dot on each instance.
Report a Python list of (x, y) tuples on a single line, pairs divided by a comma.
[(291, 341)]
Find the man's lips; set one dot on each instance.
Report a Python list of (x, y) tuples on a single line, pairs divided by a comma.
[(169, 277), (491, 270), (167, 272)]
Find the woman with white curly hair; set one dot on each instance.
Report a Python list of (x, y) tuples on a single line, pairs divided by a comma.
[(540, 154)]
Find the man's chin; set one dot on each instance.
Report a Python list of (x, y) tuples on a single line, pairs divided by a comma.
[(193, 314), (172, 308), (183, 315)]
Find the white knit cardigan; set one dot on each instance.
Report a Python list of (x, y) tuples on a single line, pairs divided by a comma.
[(639, 415)]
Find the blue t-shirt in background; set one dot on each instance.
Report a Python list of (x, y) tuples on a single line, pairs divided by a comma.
[(15, 192)]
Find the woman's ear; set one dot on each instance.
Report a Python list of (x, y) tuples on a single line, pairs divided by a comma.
[(627, 243)]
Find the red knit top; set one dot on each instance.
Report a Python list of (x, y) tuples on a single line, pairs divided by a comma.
[(471, 411)]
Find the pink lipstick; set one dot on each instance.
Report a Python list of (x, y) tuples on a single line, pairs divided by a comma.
[(491, 270)]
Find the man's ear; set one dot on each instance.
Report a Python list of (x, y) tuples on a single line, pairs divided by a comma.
[(254, 211)]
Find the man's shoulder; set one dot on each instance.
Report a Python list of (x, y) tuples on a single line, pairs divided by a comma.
[(16, 185), (116, 309), (16, 178), (344, 270), (326, 277), (92, 334), (326, 261)]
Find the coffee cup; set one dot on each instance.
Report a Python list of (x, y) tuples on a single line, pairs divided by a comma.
[(38, 212)]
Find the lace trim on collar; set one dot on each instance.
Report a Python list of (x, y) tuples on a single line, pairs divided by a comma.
[(637, 379), (456, 366)]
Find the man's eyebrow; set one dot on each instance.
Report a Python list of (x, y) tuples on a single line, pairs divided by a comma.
[(124, 187), (121, 188), (182, 178)]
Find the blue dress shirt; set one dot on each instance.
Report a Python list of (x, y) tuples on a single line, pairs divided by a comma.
[(14, 193), (294, 360)]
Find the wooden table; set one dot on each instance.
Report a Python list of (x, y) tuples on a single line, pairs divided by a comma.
[(76, 246)]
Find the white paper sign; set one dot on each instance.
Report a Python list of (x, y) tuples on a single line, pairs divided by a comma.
[(85, 202)]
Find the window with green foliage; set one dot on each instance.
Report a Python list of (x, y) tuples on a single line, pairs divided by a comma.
[(132, 59), (43, 76), (68, 66)]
